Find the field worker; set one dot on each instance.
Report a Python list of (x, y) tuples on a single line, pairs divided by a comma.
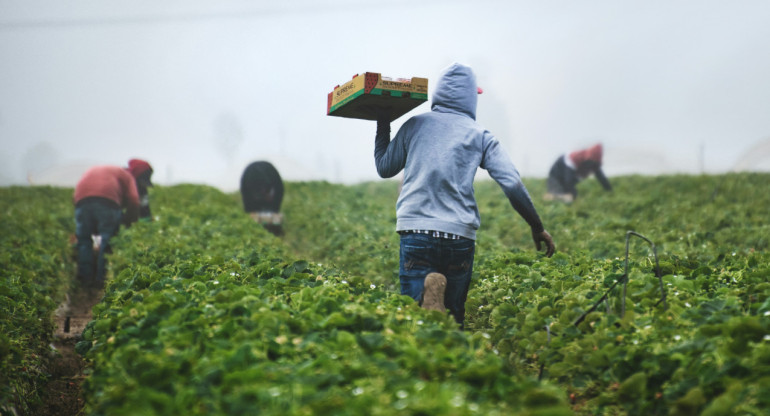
[(569, 169), (262, 194), (100, 197), (142, 171), (437, 215)]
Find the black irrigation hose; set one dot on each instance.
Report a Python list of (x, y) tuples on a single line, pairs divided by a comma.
[(542, 365), (623, 279), (604, 296), (657, 273)]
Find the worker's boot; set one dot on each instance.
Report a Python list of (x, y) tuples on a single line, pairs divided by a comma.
[(433, 293)]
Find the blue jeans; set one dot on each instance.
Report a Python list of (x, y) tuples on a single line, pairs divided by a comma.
[(421, 254), (94, 217)]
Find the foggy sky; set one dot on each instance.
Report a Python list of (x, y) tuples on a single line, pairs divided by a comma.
[(202, 88)]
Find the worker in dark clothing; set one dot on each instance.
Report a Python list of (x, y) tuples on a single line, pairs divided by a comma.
[(142, 171), (100, 197), (262, 194), (571, 168)]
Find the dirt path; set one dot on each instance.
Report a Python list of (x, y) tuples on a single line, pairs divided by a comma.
[(61, 395)]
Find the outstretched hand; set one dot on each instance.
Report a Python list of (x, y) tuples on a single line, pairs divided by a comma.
[(544, 237)]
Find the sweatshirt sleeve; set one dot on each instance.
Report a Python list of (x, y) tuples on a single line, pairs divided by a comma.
[(389, 156), (603, 179), (522, 203), (503, 171)]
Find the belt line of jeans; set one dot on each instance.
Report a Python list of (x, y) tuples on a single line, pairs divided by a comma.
[(433, 233)]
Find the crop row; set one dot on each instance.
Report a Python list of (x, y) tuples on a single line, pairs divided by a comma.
[(207, 313), (706, 351), (36, 270)]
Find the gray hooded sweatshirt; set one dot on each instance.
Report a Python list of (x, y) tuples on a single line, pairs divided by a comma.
[(440, 152)]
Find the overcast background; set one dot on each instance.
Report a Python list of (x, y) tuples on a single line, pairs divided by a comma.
[(200, 88)]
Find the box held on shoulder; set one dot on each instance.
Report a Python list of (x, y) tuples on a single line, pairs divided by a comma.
[(368, 95)]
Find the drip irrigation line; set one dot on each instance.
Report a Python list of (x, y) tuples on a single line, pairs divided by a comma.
[(605, 296), (657, 273)]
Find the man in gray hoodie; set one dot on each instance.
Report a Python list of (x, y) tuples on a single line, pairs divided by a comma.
[(436, 212)]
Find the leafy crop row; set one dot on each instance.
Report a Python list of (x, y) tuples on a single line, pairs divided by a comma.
[(207, 313), (35, 271), (352, 227), (706, 353)]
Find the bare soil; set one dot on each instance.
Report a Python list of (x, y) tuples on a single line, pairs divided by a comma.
[(62, 393)]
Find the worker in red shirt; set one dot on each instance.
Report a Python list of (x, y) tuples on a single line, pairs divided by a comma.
[(100, 198), (571, 168)]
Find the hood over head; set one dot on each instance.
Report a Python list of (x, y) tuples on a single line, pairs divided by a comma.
[(592, 154), (456, 91)]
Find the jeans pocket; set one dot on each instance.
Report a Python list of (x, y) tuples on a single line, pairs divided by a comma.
[(416, 256)]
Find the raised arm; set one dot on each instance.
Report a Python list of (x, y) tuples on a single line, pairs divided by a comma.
[(389, 156)]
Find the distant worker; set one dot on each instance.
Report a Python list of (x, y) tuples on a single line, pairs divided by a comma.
[(262, 194), (436, 212), (100, 197), (142, 171), (569, 169)]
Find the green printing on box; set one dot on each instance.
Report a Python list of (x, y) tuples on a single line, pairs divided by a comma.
[(370, 94)]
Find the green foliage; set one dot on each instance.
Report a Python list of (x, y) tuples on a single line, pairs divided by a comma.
[(351, 228), (711, 235), (207, 313), (35, 270)]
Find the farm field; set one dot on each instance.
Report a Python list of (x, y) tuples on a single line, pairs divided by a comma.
[(207, 313)]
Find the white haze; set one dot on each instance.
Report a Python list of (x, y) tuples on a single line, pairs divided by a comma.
[(202, 88)]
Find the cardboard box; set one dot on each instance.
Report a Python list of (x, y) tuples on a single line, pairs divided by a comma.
[(370, 93)]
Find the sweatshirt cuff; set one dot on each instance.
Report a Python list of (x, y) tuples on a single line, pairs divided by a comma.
[(383, 126), (537, 228)]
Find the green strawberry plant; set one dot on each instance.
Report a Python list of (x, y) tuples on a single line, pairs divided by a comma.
[(36, 269), (214, 316), (207, 313)]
